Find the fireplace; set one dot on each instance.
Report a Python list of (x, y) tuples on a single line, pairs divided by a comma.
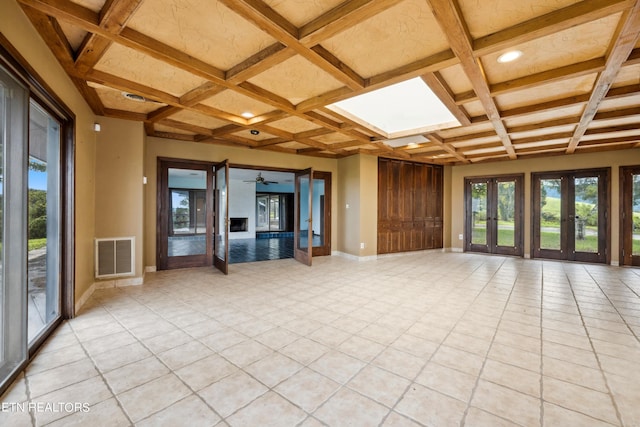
[(239, 224)]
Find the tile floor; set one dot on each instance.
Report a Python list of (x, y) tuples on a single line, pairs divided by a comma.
[(436, 339)]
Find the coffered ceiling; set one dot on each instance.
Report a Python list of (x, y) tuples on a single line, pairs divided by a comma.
[(196, 66)]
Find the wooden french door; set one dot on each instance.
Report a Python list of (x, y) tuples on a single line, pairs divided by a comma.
[(630, 215), (185, 214), (570, 215), (493, 215), (221, 232), (321, 213), (303, 223)]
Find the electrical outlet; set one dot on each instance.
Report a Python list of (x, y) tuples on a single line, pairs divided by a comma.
[(362, 245), (459, 236)]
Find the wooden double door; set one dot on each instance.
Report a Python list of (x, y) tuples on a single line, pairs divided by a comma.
[(630, 215), (410, 199)]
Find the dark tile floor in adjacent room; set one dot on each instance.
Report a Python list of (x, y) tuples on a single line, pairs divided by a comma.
[(248, 250)]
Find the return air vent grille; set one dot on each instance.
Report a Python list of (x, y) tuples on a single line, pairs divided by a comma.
[(115, 257)]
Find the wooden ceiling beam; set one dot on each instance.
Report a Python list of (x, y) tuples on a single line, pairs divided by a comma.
[(623, 43), (436, 140), (452, 24), (340, 18), (54, 37), (113, 18), (279, 28), (553, 22), (442, 90), (261, 61)]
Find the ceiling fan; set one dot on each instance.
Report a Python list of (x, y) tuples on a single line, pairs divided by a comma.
[(260, 180)]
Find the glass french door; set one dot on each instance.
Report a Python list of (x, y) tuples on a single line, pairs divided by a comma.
[(303, 222), (321, 212), (185, 206), (570, 218), (494, 215), (221, 233), (630, 215)]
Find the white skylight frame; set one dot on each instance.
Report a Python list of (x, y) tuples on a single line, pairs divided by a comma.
[(403, 109)]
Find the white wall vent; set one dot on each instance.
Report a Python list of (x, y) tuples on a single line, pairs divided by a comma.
[(115, 257)]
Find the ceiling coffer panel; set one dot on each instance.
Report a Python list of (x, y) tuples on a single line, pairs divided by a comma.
[(139, 68), (405, 33), (204, 29), (294, 125), (163, 128), (296, 79), (300, 12), (237, 104), (197, 119), (113, 98)]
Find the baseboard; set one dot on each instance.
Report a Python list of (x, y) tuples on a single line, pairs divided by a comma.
[(354, 257), (150, 269), (119, 283), (84, 298), (615, 263), (456, 250)]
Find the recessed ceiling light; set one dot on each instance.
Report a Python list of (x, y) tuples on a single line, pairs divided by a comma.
[(512, 55), (247, 115), (134, 97), (412, 145)]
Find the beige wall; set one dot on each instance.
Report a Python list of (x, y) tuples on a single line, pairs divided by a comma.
[(157, 147), (613, 159), (119, 172), (17, 28)]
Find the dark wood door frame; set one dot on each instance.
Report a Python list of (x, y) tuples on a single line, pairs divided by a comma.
[(163, 261), (492, 215), (626, 216), (568, 216)]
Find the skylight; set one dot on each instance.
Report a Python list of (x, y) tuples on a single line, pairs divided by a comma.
[(401, 109)]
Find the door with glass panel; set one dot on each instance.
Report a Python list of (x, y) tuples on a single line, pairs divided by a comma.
[(630, 215), (221, 233), (321, 213), (185, 214), (303, 221), (493, 215), (570, 215)]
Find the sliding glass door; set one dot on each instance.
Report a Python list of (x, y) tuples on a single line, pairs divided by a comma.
[(494, 215), (36, 240), (570, 215)]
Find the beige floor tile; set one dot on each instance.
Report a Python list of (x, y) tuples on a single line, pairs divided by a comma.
[(269, 410), (569, 354), (203, 328), (246, 352), (396, 420), (113, 359), (15, 417), (104, 414), (191, 410), (506, 403), (430, 408), (224, 339), (399, 362), (159, 343), (54, 359), (16, 392), (205, 371), (184, 354), (515, 356), (337, 366), (276, 338), (380, 334), (60, 377), (447, 381), (307, 389), (273, 369), (468, 343), (458, 359), (523, 342), (304, 350), (361, 348), (135, 374), (580, 399), (479, 418), (576, 374), (557, 416), (329, 336), (513, 377), (231, 393), (89, 392), (379, 385), (348, 408), (311, 422), (153, 396)]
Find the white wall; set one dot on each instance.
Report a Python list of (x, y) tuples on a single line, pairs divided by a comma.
[(242, 204)]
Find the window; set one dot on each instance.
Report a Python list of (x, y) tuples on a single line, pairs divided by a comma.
[(271, 212)]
